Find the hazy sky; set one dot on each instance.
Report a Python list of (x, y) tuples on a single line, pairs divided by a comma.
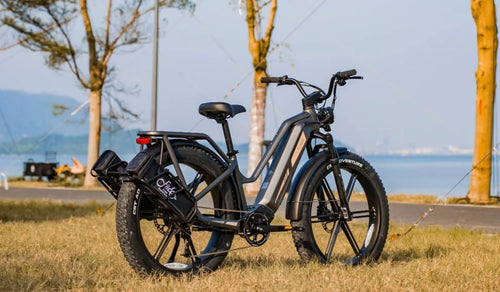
[(418, 59)]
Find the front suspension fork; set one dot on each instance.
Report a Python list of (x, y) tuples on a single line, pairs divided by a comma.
[(345, 212)]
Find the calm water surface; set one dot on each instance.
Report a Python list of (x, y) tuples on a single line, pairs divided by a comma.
[(400, 174)]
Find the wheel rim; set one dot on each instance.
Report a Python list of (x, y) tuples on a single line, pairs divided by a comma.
[(336, 239), (169, 244)]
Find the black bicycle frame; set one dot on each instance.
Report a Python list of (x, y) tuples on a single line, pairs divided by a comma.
[(285, 149)]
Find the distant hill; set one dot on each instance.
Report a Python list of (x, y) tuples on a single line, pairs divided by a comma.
[(28, 126), (30, 115), (122, 142)]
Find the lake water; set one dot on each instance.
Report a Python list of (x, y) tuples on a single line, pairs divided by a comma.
[(400, 174)]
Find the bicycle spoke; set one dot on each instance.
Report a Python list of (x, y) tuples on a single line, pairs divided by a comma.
[(350, 187), (330, 196), (332, 240), (350, 237), (163, 244)]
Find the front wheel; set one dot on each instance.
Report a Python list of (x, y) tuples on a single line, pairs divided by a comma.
[(321, 226)]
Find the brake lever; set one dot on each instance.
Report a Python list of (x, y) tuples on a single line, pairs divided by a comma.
[(342, 81)]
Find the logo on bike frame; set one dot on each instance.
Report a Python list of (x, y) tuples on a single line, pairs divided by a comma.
[(166, 188)]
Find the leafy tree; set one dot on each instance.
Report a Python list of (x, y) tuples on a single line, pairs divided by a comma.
[(484, 15), (258, 45), (51, 27)]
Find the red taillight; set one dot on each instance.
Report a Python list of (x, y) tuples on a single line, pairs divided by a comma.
[(143, 140)]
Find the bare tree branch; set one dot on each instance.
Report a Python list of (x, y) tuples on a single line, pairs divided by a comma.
[(108, 23), (252, 41), (72, 64), (270, 25), (89, 32), (135, 15)]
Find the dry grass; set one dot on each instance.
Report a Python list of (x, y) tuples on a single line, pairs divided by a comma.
[(20, 183), (416, 199), (55, 246)]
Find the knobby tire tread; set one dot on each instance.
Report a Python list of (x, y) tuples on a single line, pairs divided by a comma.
[(304, 241), (127, 229)]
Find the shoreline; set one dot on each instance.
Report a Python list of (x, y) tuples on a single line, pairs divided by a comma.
[(425, 199)]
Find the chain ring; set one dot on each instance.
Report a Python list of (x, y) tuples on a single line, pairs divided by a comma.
[(253, 237)]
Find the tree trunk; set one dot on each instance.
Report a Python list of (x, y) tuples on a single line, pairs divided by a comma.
[(258, 48), (257, 127), (483, 12), (94, 136)]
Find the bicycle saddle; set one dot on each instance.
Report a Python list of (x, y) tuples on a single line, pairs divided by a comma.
[(220, 110)]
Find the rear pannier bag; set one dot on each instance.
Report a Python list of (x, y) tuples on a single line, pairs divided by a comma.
[(109, 169), (160, 181)]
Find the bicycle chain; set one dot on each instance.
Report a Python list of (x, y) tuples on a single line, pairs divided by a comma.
[(161, 228), (224, 210)]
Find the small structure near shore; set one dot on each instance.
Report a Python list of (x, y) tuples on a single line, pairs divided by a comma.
[(41, 169)]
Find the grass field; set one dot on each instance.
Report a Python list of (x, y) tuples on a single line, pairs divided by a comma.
[(54, 246)]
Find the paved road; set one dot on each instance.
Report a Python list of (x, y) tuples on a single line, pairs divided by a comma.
[(472, 217)]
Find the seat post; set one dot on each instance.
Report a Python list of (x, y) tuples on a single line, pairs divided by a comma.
[(227, 136)]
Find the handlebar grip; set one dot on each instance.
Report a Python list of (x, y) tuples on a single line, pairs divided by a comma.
[(346, 74), (271, 79)]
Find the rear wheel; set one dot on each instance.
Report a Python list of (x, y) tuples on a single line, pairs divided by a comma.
[(322, 227), (151, 242)]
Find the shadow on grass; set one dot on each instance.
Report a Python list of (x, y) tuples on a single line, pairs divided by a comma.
[(259, 261), (411, 254), (38, 211), (398, 256)]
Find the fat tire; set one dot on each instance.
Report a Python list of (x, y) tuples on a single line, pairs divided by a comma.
[(302, 233), (127, 223)]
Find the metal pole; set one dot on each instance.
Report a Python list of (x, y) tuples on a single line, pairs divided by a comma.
[(155, 68)]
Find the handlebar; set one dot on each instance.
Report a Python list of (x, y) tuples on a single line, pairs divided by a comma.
[(346, 74), (273, 79), (338, 78)]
